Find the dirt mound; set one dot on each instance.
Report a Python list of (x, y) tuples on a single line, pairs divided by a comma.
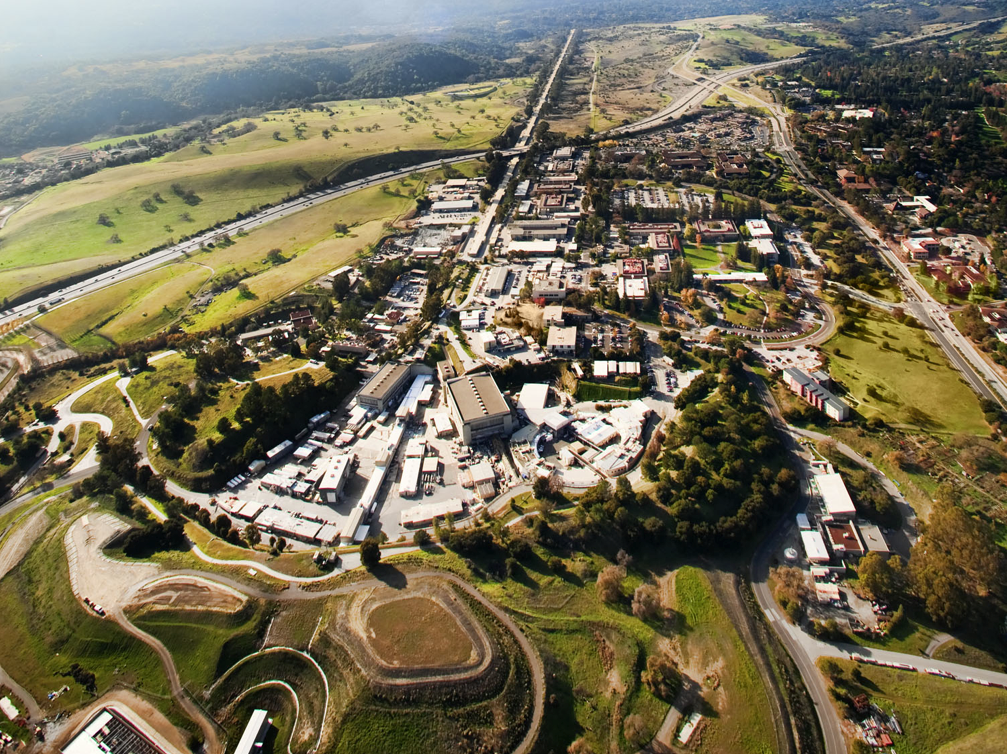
[(188, 593)]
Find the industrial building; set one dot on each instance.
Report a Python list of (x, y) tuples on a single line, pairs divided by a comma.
[(478, 407), (835, 497), (814, 547), (496, 280), (254, 733), (562, 341), (339, 470), (113, 731), (388, 384)]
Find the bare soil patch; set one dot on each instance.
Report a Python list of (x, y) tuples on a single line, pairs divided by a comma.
[(188, 593), (417, 632)]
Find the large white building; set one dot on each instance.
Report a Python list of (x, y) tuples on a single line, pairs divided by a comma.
[(835, 496), (562, 341)]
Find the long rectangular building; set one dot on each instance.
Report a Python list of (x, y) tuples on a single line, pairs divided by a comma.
[(816, 392)]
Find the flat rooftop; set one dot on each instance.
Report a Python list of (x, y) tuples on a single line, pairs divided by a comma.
[(477, 397), (384, 381)]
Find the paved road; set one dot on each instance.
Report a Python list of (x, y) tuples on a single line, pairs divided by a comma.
[(962, 354)]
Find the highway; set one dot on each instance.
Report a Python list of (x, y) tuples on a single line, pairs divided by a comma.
[(704, 86), (104, 279)]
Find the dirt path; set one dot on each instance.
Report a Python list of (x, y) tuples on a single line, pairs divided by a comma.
[(191, 709), (726, 586)]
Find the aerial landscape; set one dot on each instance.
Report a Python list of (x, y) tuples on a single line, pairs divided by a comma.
[(525, 378)]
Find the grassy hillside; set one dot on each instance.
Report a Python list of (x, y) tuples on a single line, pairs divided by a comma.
[(58, 234), (908, 382)]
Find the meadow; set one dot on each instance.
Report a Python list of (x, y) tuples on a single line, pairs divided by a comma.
[(895, 371), (140, 307), (933, 711), (58, 234)]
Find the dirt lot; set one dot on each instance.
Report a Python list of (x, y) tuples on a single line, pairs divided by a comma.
[(92, 574), (417, 632), (21, 539), (188, 593), (630, 64)]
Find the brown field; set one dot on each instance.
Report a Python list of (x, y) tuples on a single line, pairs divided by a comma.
[(189, 593), (631, 66), (417, 632)]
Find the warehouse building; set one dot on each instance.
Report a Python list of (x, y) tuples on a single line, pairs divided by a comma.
[(388, 384), (255, 733), (836, 498), (114, 731), (339, 470), (478, 407)]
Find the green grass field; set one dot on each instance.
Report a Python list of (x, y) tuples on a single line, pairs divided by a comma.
[(204, 644), (711, 646), (593, 391), (932, 711), (307, 241), (723, 44), (58, 234), (46, 631), (149, 388), (915, 390), (106, 399), (131, 310), (702, 257)]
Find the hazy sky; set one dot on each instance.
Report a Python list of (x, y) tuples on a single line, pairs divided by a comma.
[(43, 32)]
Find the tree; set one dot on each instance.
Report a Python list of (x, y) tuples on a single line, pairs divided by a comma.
[(662, 677), (370, 553), (876, 576), (646, 602), (421, 538), (956, 564), (251, 535), (635, 730), (609, 584)]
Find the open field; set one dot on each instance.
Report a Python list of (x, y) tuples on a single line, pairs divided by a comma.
[(617, 74), (933, 711), (713, 656), (46, 630), (908, 382), (59, 235), (416, 632), (131, 310), (987, 740), (593, 391), (309, 244), (106, 399), (204, 643), (152, 386), (593, 652), (725, 48)]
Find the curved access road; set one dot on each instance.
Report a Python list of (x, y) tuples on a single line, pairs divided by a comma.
[(536, 668), (195, 713)]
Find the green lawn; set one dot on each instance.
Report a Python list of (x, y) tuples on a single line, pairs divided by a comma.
[(593, 391), (915, 390), (46, 631), (932, 711), (58, 234), (712, 648), (702, 257)]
